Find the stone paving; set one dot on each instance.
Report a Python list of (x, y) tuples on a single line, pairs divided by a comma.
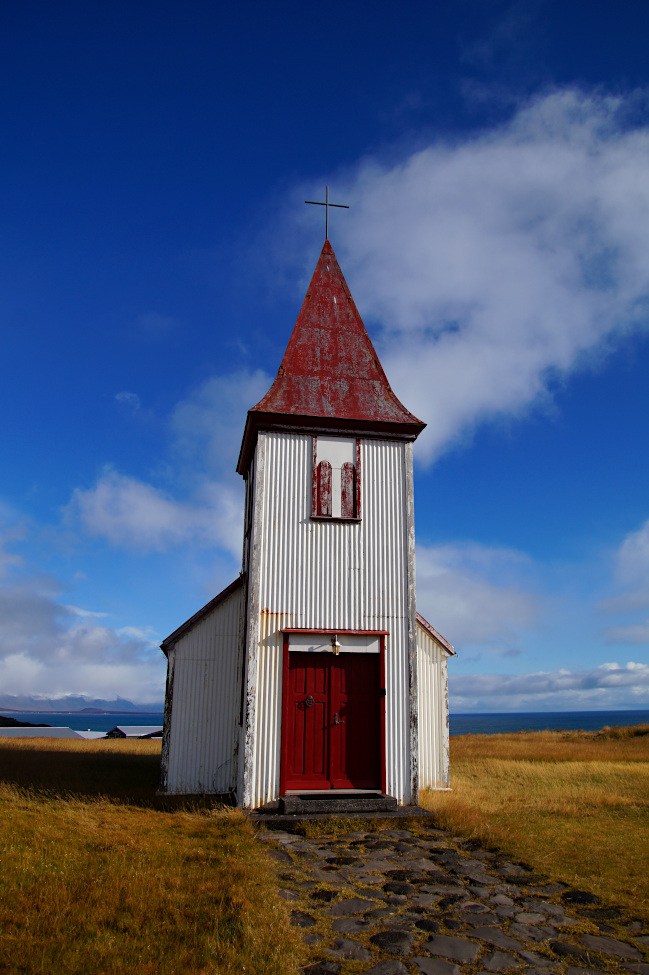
[(422, 902)]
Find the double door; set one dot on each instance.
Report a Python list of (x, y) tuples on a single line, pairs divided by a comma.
[(331, 732)]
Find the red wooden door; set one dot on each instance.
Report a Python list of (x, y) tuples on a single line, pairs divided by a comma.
[(332, 722), (356, 738), (306, 722)]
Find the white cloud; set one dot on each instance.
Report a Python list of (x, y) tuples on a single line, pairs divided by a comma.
[(133, 514), (630, 586), (131, 400), (499, 262), (633, 557), (12, 530), (632, 567), (208, 425), (86, 613), (45, 650), (633, 633), (206, 430), (8, 560), (49, 649), (146, 634), (609, 686), (473, 596), (631, 590)]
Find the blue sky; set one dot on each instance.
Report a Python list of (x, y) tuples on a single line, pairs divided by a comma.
[(155, 251)]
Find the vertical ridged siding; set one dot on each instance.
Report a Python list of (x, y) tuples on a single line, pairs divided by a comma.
[(313, 574), (269, 705), (433, 723), (204, 722), (385, 586)]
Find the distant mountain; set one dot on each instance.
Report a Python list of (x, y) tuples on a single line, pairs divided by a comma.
[(71, 702)]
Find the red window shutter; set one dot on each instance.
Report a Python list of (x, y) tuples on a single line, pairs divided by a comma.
[(348, 491), (324, 488)]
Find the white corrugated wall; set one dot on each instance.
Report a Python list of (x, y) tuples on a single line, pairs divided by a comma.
[(313, 574), (203, 736), (433, 712)]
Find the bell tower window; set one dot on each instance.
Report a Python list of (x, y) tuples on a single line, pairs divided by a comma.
[(323, 489), (336, 479)]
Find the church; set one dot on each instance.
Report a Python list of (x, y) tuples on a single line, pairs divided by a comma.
[(312, 677)]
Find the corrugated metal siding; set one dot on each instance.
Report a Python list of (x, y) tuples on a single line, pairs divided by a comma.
[(269, 705), (314, 574), (433, 715), (204, 722)]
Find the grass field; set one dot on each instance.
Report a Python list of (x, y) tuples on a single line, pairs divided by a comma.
[(574, 805), (98, 876)]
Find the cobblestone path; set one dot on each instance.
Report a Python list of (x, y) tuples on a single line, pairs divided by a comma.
[(405, 902)]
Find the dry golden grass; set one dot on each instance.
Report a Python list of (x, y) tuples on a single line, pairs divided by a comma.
[(128, 770), (574, 805), (97, 876), (626, 744)]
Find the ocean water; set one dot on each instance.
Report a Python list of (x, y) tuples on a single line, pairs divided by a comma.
[(495, 724), (460, 724), (82, 721)]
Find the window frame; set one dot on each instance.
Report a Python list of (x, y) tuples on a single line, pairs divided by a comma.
[(315, 516)]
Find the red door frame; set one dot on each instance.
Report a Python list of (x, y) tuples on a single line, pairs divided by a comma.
[(285, 666)]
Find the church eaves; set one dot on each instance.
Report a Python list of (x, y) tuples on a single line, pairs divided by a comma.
[(330, 376)]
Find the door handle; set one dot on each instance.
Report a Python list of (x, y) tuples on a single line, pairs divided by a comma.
[(338, 720)]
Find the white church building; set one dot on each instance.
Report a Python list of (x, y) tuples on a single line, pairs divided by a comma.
[(313, 675)]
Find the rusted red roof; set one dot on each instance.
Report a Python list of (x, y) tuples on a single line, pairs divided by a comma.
[(428, 628), (169, 642), (330, 370)]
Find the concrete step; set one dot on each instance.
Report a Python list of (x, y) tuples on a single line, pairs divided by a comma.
[(326, 804)]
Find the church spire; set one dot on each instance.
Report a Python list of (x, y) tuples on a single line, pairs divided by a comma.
[(330, 376)]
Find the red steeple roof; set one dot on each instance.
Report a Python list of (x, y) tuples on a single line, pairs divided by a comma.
[(330, 371)]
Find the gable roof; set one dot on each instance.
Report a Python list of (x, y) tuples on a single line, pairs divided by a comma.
[(169, 642), (330, 372), (431, 631)]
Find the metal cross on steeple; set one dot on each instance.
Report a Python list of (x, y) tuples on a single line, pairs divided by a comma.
[(326, 205)]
